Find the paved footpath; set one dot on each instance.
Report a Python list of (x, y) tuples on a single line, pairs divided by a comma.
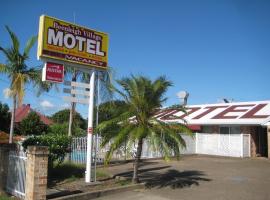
[(200, 178)]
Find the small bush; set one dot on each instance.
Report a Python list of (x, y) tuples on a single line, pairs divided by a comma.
[(58, 146)]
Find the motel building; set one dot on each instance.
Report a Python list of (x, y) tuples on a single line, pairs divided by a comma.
[(236, 129)]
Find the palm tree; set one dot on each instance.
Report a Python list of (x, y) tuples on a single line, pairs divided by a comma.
[(19, 73), (143, 98)]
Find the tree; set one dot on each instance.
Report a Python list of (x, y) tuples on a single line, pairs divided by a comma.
[(143, 98), (32, 125), (4, 117), (19, 73), (62, 117), (109, 110)]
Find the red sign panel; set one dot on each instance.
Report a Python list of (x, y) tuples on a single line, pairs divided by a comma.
[(53, 72)]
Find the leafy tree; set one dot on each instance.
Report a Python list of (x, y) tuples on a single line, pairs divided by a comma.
[(4, 117), (62, 116), (32, 125), (109, 110), (59, 129), (62, 129), (19, 73), (79, 124), (143, 98)]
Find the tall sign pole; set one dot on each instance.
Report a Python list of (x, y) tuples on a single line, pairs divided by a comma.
[(90, 129), (62, 43)]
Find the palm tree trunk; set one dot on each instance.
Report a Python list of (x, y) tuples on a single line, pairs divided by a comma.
[(11, 132), (137, 160), (72, 109)]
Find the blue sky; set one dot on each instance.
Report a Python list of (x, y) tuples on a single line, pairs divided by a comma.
[(211, 48)]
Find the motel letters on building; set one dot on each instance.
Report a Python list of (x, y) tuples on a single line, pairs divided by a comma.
[(229, 113)]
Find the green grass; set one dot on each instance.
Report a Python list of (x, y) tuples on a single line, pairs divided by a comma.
[(123, 182), (101, 174), (3, 197), (68, 172)]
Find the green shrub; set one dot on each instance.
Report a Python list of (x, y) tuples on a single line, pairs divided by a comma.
[(58, 146)]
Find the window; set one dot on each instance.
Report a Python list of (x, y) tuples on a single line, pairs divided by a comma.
[(224, 130), (229, 130), (207, 129)]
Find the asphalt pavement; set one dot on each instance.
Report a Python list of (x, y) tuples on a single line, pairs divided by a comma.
[(199, 178)]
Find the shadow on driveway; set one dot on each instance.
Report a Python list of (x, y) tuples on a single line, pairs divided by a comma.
[(174, 179), (156, 177)]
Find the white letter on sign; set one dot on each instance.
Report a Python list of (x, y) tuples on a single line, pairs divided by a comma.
[(80, 40), (57, 39), (99, 52), (91, 46), (69, 41)]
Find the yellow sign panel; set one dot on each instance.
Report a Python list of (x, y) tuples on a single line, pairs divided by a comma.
[(64, 41)]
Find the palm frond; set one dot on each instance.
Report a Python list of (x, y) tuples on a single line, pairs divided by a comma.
[(118, 141), (7, 52), (4, 69), (121, 119), (30, 43), (15, 40)]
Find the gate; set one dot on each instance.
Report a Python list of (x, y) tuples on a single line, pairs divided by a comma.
[(16, 173)]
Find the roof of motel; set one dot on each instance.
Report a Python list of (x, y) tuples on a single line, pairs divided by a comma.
[(238, 113)]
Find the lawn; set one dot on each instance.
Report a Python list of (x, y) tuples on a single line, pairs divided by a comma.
[(4, 197), (69, 172)]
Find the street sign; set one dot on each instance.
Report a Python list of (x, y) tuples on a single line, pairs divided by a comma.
[(53, 72), (72, 44), (76, 100), (76, 92), (76, 84)]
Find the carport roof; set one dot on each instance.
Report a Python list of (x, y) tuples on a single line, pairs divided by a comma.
[(237, 113)]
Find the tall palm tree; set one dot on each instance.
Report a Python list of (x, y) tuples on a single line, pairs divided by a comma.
[(18, 72), (143, 98)]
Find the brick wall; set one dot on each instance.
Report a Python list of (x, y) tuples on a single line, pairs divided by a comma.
[(36, 173)]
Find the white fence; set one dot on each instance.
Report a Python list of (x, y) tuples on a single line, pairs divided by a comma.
[(79, 149), (16, 173), (233, 145)]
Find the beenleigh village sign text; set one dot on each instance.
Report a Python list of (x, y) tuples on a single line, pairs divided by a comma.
[(67, 42)]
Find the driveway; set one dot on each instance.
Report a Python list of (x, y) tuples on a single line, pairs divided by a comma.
[(199, 177)]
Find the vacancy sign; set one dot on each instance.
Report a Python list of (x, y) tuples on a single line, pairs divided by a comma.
[(53, 72)]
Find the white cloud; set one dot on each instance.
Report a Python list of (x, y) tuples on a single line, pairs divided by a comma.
[(6, 93), (65, 105), (46, 104)]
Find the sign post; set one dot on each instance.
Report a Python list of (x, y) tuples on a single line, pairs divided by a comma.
[(77, 47), (90, 129)]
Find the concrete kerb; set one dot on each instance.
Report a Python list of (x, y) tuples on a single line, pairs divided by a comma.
[(100, 193)]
